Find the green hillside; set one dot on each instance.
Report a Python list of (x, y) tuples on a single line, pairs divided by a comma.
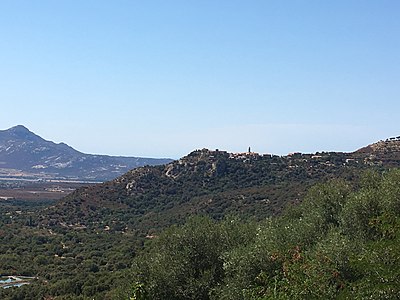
[(212, 183), (341, 242), (107, 241)]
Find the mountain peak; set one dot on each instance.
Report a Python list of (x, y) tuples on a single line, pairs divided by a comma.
[(31, 155), (19, 128), (21, 133)]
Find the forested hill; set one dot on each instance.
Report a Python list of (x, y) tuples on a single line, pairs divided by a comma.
[(214, 183), (341, 239)]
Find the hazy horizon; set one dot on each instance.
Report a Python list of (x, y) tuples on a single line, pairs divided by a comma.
[(212, 149)]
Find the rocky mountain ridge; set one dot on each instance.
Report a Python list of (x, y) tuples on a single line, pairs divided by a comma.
[(24, 154)]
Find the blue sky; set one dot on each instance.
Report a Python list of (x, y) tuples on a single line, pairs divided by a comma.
[(162, 78)]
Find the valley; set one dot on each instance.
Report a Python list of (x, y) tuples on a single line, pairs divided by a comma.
[(38, 190)]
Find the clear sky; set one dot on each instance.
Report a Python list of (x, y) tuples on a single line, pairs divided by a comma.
[(161, 78)]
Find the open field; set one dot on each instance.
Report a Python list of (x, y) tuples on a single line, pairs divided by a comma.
[(36, 191)]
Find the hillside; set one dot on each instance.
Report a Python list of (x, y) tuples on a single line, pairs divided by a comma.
[(341, 242), (24, 154), (214, 183), (90, 244)]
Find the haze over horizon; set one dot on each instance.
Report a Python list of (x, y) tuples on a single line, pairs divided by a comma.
[(161, 79)]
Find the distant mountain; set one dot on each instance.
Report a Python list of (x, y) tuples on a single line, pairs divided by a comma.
[(25, 154), (215, 183)]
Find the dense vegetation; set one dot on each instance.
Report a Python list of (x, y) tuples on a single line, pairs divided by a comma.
[(342, 242), (104, 241), (68, 264)]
